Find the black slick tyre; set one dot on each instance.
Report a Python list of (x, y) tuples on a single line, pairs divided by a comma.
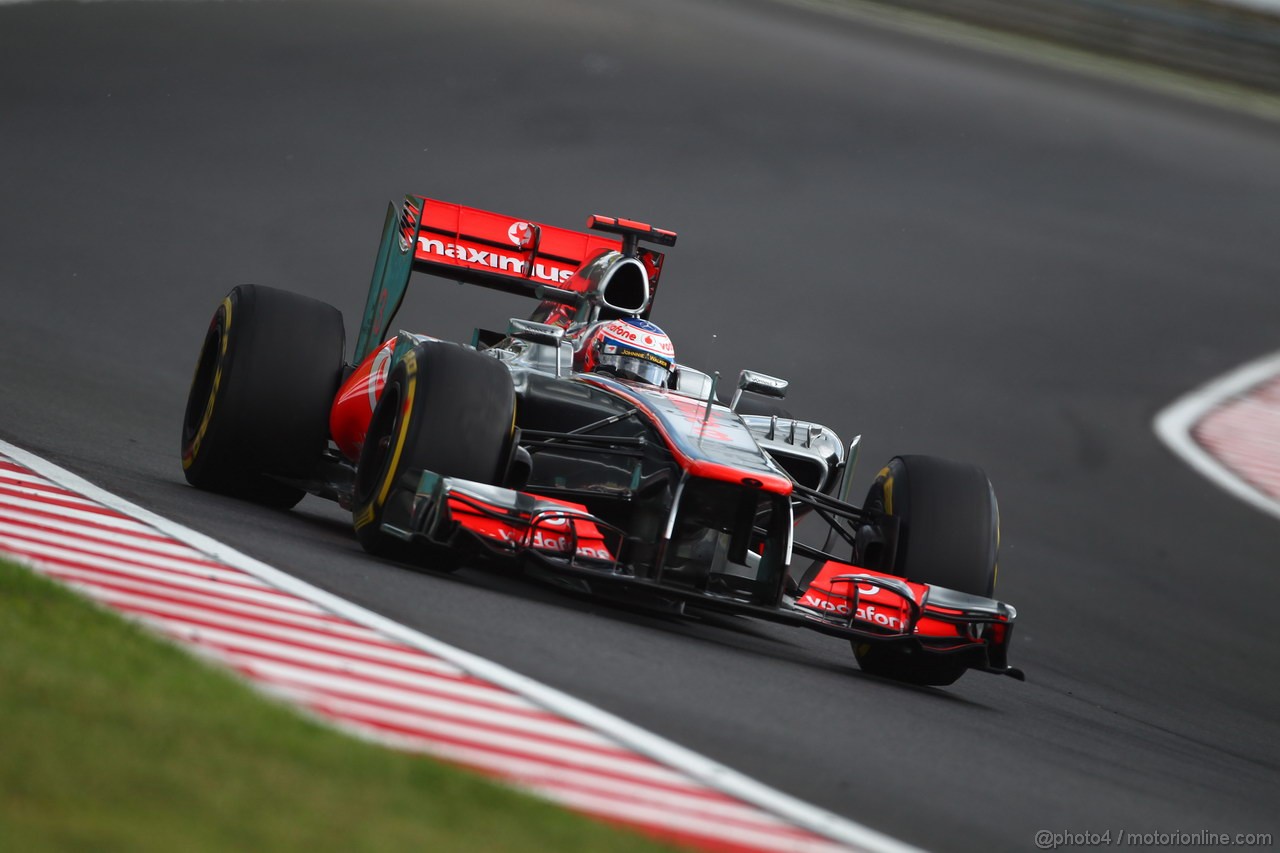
[(444, 409), (259, 402), (949, 536)]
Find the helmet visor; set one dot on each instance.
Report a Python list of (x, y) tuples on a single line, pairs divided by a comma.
[(631, 366)]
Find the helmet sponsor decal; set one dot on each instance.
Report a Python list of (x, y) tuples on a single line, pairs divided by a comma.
[(642, 336), (639, 355)]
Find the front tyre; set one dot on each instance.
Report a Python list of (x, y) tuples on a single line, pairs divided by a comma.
[(948, 536), (444, 409), (259, 401), (949, 522)]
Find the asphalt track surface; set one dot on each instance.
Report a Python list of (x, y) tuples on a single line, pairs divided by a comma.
[(947, 252)]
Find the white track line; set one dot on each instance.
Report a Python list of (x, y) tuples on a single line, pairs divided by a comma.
[(1176, 423), (688, 765)]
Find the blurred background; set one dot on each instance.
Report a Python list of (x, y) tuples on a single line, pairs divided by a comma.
[(952, 241)]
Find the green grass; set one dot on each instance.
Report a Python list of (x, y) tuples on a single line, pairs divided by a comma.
[(113, 740)]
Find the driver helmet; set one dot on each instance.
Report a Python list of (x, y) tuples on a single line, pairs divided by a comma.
[(629, 348)]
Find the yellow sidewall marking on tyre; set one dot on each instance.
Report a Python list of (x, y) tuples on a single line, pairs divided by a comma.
[(188, 459), (366, 515), (888, 489)]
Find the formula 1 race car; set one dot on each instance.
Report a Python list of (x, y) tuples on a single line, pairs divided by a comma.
[(572, 445)]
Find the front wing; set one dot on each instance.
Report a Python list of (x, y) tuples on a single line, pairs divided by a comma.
[(842, 600)]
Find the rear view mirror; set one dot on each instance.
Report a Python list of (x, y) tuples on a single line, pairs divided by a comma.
[(538, 333), (759, 383)]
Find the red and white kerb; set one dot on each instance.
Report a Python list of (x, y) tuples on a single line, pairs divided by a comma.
[(372, 678)]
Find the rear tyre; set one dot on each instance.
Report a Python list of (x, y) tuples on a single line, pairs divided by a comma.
[(444, 409), (259, 401), (949, 536)]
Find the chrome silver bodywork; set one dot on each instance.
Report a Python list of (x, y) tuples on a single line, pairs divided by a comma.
[(811, 453)]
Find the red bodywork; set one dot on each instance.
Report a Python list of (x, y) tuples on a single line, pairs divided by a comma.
[(454, 238), (883, 609), (491, 249), (353, 406), (559, 528)]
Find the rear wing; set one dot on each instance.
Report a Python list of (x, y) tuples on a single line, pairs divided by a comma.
[(491, 250)]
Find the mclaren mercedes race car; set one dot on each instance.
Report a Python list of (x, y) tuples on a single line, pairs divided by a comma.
[(574, 446)]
